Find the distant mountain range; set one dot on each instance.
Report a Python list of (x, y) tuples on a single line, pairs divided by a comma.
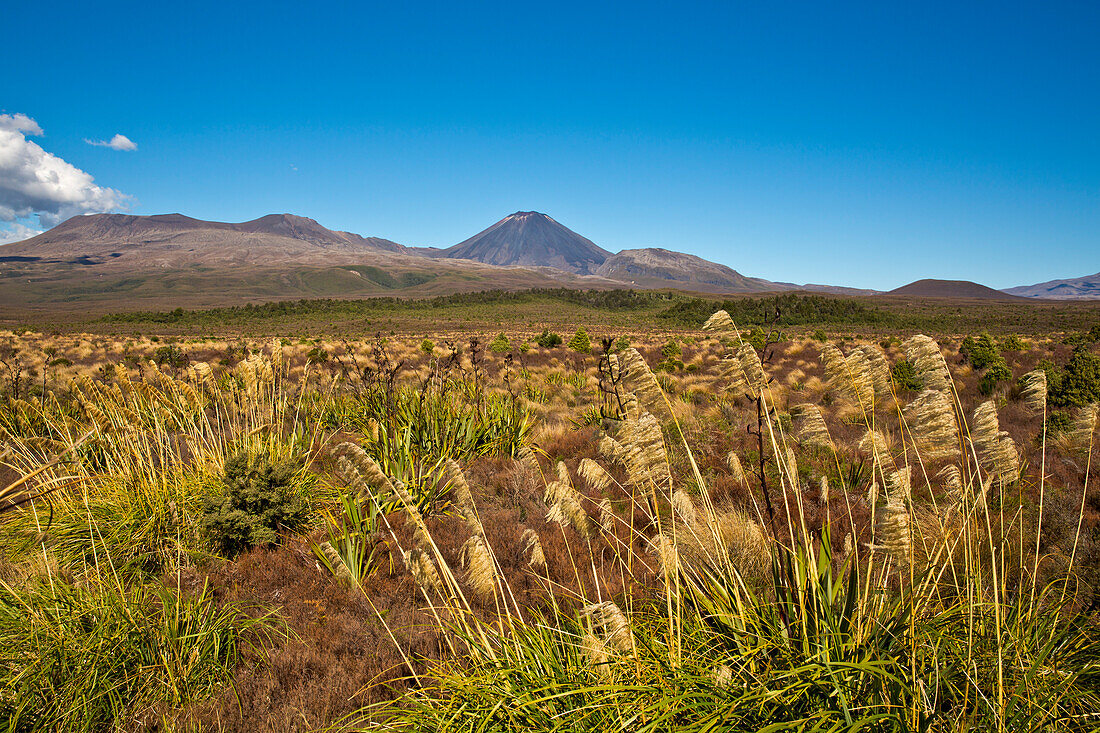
[(533, 239), (120, 260), (1081, 288)]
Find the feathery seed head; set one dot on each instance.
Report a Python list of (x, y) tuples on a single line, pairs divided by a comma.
[(899, 485), (721, 322), (612, 624), (736, 470), (668, 557), (480, 572), (1034, 393), (1084, 427), (952, 481), (594, 474), (893, 531), (880, 371), (607, 517), (335, 561), (533, 547), (790, 464), (931, 418), (639, 379), (684, 507), (874, 443), (423, 570), (722, 676), (927, 360), (813, 432), (755, 378)]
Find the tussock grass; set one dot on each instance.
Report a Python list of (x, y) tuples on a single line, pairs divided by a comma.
[(924, 627), (860, 559)]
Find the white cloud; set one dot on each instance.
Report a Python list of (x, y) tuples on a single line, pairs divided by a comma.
[(16, 232), (118, 142), (20, 123), (34, 182)]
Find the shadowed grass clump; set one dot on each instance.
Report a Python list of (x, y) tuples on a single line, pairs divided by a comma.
[(100, 656)]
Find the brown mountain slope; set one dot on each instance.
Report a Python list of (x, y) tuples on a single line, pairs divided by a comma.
[(654, 267), (131, 260), (1078, 288), (124, 262), (171, 240), (950, 289)]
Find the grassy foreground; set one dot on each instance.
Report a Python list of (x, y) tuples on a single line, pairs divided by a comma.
[(719, 536)]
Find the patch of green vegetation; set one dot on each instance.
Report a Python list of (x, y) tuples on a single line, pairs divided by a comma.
[(581, 343), (258, 498), (606, 300), (905, 376), (1078, 383), (547, 340), (984, 354), (787, 309), (98, 656)]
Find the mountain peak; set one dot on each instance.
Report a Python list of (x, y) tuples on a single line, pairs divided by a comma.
[(531, 239), (932, 288)]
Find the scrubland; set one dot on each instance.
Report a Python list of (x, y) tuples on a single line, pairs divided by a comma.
[(712, 528)]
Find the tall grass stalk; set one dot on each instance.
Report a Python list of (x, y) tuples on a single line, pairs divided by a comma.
[(893, 636)]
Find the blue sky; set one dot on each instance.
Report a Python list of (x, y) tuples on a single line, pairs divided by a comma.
[(858, 144)]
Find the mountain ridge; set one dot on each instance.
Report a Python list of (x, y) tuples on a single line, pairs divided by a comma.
[(1077, 288), (86, 256)]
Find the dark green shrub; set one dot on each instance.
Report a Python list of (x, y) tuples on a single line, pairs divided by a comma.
[(979, 352), (1076, 385), (998, 372), (171, 355), (427, 346), (819, 335), (1059, 422), (1011, 342), (580, 342), (256, 499), (671, 352), (547, 340), (500, 344), (905, 377), (757, 338)]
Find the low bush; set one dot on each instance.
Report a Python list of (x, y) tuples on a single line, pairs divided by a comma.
[(905, 376), (1078, 383), (548, 340), (257, 499), (581, 343)]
